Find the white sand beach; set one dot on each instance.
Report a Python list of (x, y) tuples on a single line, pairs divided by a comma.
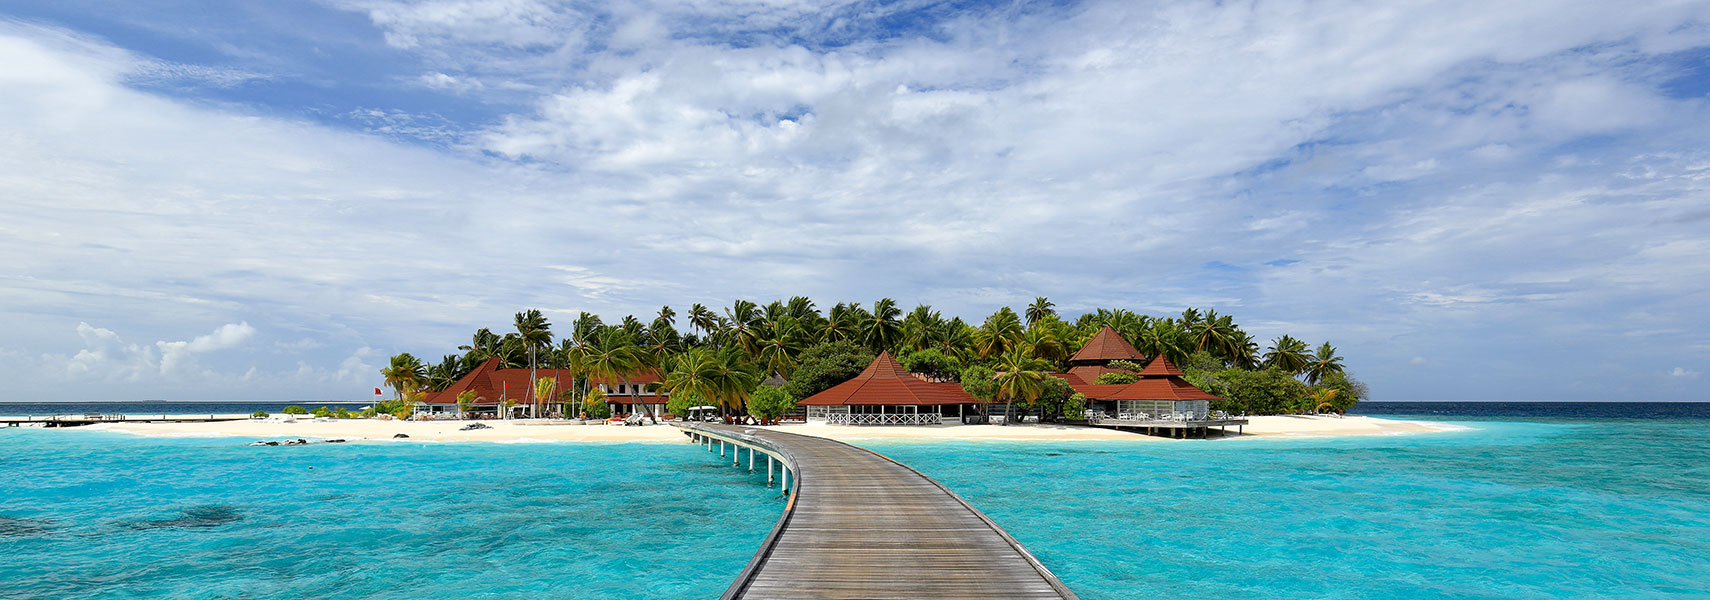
[(525, 431)]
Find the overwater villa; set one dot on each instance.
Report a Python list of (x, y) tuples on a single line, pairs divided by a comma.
[(1160, 401), (495, 387)]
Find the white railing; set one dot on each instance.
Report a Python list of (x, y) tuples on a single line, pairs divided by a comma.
[(877, 419)]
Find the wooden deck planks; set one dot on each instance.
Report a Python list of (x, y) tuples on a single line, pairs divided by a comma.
[(864, 526)]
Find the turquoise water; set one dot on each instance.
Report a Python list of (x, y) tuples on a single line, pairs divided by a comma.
[(98, 515), (1507, 509)]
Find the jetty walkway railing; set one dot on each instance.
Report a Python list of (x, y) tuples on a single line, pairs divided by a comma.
[(887, 419), (860, 525)]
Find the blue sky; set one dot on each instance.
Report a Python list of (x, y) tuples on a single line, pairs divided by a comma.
[(264, 200)]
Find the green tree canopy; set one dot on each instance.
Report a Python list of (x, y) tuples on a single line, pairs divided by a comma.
[(827, 364), (769, 403), (932, 363)]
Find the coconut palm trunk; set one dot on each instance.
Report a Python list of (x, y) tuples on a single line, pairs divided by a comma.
[(635, 398)]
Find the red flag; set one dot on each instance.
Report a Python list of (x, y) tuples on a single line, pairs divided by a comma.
[(376, 391)]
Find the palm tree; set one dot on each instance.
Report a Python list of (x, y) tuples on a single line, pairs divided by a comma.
[(1287, 354), (956, 339), (442, 375), (1244, 351), (482, 345), (922, 328), (1042, 343), (840, 324), (1323, 364), (1164, 338), (1021, 378), (1001, 331), (1039, 310), (694, 373), (543, 388), (466, 399), (882, 329), (778, 343), (611, 356), (743, 315), (666, 316), (733, 379), (702, 318), (535, 333), (404, 374)]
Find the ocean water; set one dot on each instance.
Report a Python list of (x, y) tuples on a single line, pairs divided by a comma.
[(1502, 508), (103, 515), (42, 409)]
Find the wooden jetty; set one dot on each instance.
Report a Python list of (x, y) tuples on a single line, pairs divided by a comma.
[(91, 419), (1176, 428), (859, 525)]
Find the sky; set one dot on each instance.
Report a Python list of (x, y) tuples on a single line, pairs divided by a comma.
[(265, 200)]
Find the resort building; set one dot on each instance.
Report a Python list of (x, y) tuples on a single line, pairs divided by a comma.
[(887, 394), (1162, 392), (494, 387), (1095, 357)]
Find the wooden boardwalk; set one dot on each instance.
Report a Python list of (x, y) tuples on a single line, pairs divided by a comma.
[(860, 525)]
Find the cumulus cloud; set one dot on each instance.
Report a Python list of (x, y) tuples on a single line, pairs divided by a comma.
[(1435, 178)]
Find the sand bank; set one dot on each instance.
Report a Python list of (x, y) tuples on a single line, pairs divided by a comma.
[(543, 431)]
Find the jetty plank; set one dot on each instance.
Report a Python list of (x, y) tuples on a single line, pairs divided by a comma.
[(864, 526)]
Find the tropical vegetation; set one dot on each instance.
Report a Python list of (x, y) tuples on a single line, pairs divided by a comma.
[(727, 357)]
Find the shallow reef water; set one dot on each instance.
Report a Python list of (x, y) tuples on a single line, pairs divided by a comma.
[(1505, 508)]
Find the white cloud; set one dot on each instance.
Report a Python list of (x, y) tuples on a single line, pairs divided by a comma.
[(1437, 171), (1681, 372)]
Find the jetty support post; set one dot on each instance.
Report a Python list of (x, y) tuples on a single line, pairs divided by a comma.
[(721, 448), (768, 469), (751, 460), (736, 455)]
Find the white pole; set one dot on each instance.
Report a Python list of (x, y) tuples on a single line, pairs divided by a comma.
[(736, 455), (750, 460), (768, 469), (785, 485), (721, 447)]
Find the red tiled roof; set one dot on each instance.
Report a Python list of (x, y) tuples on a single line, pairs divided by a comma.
[(491, 382), (885, 381), (1074, 380), (1090, 373), (1162, 388), (1161, 367), (1107, 345)]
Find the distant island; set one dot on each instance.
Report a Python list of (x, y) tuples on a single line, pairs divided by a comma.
[(756, 362)]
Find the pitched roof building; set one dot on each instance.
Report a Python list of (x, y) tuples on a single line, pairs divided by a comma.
[(886, 382), (493, 385)]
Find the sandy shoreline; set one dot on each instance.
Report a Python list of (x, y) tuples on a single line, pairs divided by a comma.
[(542, 431)]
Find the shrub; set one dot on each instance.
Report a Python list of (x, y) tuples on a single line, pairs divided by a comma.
[(260, 414), (296, 410), (343, 413), (1117, 378), (596, 407), (769, 403), (323, 412)]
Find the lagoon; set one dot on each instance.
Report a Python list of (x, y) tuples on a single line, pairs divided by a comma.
[(1504, 508)]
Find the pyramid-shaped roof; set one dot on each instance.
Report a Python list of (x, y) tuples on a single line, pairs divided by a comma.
[(492, 383), (1161, 380), (885, 381), (1107, 345), (1162, 367)]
